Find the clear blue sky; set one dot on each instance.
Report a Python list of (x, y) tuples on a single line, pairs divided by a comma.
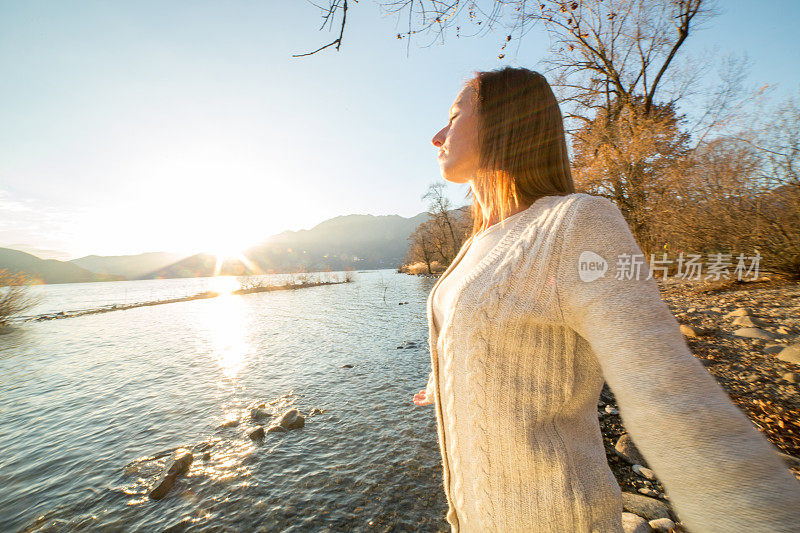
[(187, 126)]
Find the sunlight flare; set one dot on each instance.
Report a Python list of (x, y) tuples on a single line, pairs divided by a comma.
[(223, 285)]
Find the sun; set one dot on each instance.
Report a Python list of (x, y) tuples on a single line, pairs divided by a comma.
[(233, 254)]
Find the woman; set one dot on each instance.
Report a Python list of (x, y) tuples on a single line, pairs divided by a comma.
[(530, 319)]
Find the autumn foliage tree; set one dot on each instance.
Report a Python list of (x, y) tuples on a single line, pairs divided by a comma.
[(421, 250), (633, 158)]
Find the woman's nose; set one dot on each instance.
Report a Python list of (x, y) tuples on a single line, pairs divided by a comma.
[(438, 139)]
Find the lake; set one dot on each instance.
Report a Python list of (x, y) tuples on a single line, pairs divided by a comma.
[(92, 406)]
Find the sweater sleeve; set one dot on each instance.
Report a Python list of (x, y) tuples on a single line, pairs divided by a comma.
[(719, 472), (429, 393)]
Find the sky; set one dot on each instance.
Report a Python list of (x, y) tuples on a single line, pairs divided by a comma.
[(186, 126)]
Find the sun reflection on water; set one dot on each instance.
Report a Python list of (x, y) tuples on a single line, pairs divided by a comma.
[(225, 463), (226, 323)]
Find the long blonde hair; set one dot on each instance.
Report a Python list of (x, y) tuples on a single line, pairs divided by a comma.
[(523, 149)]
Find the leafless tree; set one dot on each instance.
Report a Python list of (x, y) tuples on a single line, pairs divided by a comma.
[(15, 296), (328, 16), (775, 138), (446, 237)]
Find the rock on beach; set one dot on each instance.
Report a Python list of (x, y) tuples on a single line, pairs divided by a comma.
[(755, 333), (626, 449), (648, 508), (790, 354), (632, 523)]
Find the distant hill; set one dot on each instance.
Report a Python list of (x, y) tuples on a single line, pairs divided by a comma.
[(129, 266), (346, 242), (41, 253), (48, 270)]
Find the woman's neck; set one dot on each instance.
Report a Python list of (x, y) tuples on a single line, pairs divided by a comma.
[(495, 217)]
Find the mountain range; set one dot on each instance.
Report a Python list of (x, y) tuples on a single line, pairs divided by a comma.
[(49, 270), (361, 242)]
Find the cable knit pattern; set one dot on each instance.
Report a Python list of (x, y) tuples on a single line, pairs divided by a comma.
[(455, 452), (480, 355), (526, 347)]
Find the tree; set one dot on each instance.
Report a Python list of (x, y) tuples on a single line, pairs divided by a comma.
[(706, 206), (440, 237), (447, 229), (420, 248), (775, 139), (632, 160), (15, 296)]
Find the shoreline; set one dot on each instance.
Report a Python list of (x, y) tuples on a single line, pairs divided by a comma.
[(199, 296)]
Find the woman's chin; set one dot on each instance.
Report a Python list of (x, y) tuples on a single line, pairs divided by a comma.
[(453, 179), (448, 174)]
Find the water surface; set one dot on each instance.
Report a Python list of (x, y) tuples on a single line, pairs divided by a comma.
[(92, 405)]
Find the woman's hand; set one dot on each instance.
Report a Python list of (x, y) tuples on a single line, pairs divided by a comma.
[(421, 398)]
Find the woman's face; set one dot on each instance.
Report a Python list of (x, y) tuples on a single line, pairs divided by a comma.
[(458, 141)]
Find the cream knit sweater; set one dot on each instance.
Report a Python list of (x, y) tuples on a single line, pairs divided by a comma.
[(526, 346), (479, 247)]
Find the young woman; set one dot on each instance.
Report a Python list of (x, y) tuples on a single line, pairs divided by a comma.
[(531, 318)]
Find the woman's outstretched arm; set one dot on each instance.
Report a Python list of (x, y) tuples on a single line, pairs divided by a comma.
[(719, 471)]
